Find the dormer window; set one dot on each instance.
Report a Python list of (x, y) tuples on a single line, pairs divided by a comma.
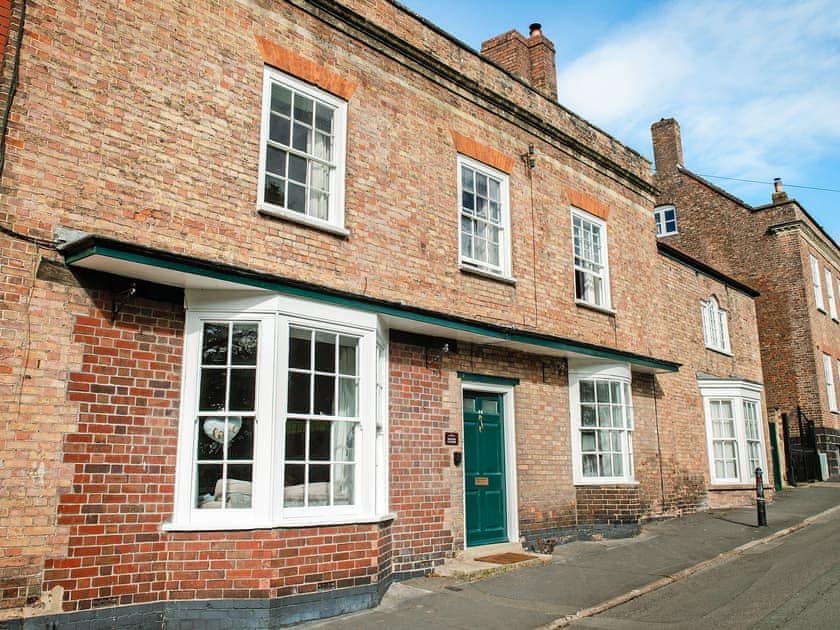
[(666, 220)]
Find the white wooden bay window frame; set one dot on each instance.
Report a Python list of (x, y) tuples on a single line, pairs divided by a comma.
[(282, 414), (734, 430), (302, 153), (601, 412)]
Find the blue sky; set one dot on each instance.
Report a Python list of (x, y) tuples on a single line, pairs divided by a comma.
[(755, 85)]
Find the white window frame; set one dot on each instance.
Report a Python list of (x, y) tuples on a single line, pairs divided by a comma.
[(503, 268), (715, 326), (837, 295), (598, 299), (829, 290), (737, 393), (817, 281), (828, 374), (660, 215), (275, 315), (583, 370), (837, 363), (335, 206)]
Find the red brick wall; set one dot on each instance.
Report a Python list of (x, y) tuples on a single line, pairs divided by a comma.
[(5, 23), (181, 161), (35, 319), (419, 488), (608, 505), (683, 440), (123, 454)]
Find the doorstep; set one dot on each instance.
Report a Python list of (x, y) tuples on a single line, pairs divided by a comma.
[(465, 565)]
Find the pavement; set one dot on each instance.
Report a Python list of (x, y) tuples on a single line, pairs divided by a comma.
[(586, 578)]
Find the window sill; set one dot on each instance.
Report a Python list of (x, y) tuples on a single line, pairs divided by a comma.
[(484, 273), (303, 219), (725, 353), (667, 234), (594, 307), (586, 483), (300, 522)]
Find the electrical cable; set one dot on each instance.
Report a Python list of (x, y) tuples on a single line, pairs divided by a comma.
[(755, 181)]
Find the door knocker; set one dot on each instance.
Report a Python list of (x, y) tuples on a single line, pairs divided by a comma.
[(480, 422)]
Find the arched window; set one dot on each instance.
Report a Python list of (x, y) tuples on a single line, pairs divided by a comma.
[(715, 327)]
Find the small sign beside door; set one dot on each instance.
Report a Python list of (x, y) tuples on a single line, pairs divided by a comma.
[(450, 438), (482, 481)]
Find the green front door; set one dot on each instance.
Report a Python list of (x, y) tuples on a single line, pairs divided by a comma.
[(484, 469)]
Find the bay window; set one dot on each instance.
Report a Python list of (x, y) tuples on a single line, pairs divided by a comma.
[(279, 414), (734, 431)]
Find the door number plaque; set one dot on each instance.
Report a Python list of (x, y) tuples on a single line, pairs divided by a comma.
[(482, 481)]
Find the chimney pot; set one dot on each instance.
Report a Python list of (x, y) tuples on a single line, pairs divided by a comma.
[(535, 29)]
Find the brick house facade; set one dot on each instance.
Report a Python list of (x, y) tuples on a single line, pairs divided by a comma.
[(303, 307), (794, 263)]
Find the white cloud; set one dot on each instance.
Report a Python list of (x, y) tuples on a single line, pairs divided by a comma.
[(755, 85)]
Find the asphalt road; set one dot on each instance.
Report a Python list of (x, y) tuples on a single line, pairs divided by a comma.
[(792, 583)]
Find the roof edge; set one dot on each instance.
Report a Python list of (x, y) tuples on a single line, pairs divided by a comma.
[(717, 189), (673, 253)]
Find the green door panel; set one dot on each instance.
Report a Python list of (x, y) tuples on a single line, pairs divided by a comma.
[(484, 469)]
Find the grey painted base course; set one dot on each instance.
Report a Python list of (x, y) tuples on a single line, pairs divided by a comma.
[(224, 614), (562, 535)]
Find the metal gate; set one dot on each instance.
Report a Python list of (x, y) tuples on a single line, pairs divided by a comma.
[(801, 450)]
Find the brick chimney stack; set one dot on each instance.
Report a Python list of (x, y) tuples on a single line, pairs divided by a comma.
[(779, 194), (667, 145), (543, 68), (531, 59)]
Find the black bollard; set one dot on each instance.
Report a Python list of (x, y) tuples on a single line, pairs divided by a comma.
[(759, 499)]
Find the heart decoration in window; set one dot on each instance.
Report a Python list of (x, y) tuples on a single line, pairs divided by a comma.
[(214, 428)]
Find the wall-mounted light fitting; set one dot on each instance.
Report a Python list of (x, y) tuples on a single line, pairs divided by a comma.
[(530, 158), (118, 300)]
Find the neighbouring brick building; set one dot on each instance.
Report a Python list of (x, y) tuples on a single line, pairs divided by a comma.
[(301, 297), (794, 263)]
